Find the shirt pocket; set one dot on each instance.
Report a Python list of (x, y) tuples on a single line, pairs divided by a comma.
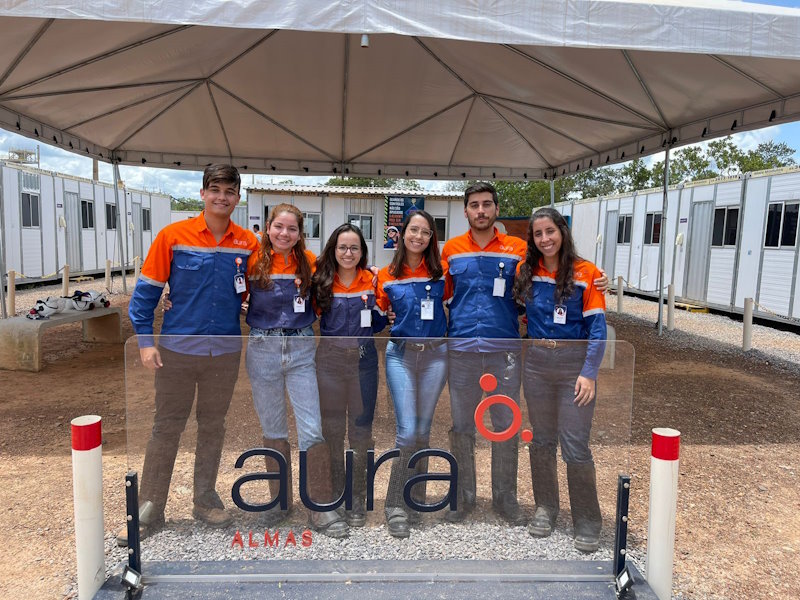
[(188, 271)]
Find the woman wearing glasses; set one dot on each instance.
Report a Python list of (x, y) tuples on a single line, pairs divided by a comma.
[(414, 288), (347, 361)]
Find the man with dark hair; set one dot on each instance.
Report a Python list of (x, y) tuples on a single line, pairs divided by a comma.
[(203, 259), (481, 266)]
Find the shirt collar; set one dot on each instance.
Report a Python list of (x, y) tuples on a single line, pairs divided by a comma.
[(201, 225), (496, 236)]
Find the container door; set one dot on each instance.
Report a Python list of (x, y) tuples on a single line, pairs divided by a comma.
[(699, 250), (610, 243), (137, 230), (72, 215)]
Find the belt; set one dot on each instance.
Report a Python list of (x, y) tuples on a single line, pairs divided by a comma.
[(419, 347), (552, 344)]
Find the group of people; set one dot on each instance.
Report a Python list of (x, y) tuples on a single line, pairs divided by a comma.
[(453, 315)]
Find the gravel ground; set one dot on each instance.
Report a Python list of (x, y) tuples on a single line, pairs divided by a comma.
[(717, 332)]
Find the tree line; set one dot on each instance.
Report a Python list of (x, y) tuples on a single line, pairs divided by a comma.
[(722, 157)]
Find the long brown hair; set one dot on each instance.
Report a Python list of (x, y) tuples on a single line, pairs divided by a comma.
[(327, 266), (431, 255), (262, 267), (566, 260)]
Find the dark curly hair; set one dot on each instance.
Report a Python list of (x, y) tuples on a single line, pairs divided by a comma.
[(567, 256), (322, 281)]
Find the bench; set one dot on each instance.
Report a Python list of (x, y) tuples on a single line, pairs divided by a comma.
[(21, 338)]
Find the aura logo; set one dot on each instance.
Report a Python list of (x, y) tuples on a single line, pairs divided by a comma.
[(488, 383)]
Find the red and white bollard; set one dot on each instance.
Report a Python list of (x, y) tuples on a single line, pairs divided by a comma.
[(87, 493), (663, 506)]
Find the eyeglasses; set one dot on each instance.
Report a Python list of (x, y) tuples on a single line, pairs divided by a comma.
[(346, 249), (426, 233)]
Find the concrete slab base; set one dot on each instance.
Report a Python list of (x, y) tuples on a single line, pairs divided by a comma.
[(346, 580)]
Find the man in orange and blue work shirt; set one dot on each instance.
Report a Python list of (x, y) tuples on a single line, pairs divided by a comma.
[(481, 264), (204, 260)]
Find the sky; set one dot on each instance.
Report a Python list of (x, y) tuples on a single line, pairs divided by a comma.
[(187, 184)]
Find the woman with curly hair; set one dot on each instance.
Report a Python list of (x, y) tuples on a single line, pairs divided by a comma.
[(280, 361), (347, 361), (559, 378)]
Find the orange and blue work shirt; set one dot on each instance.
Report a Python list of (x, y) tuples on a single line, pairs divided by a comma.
[(404, 294), (273, 307), (585, 312), (344, 317), (200, 273), (475, 312)]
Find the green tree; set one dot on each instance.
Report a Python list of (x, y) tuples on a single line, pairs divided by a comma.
[(633, 176), (186, 204), (375, 182), (595, 182)]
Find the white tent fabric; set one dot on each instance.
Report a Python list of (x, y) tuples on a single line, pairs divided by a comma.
[(447, 89)]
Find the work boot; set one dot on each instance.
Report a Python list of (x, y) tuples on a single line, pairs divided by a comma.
[(544, 476), (586, 517), (419, 491), (395, 508), (275, 515), (149, 523), (462, 447), (331, 523), (208, 506), (505, 460), (357, 517)]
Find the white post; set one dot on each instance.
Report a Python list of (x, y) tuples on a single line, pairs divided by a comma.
[(671, 307), (619, 294), (108, 275), (664, 463), (12, 293), (87, 493), (747, 332), (65, 281), (137, 266)]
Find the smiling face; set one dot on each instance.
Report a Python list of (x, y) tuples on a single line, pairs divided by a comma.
[(220, 198), (417, 236), (547, 236), (481, 211), (348, 250), (284, 231)]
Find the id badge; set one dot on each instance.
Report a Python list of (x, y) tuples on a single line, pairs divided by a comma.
[(366, 317), (299, 304), (499, 287), (426, 309), (238, 283), (560, 314)]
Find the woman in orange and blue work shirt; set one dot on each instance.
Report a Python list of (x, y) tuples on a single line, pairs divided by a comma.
[(414, 287), (347, 361), (559, 378), (280, 358)]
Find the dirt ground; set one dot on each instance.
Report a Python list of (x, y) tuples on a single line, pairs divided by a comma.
[(738, 523)]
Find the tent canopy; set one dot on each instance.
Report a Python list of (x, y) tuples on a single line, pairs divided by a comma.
[(509, 89)]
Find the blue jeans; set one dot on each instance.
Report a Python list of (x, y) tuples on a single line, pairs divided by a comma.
[(415, 378), (466, 369), (348, 389), (549, 385), (281, 361)]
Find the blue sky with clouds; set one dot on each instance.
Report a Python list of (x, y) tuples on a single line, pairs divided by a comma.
[(188, 183)]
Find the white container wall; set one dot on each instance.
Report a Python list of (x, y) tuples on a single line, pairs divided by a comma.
[(725, 240), (51, 219)]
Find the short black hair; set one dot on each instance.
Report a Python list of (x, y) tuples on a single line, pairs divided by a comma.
[(480, 187)]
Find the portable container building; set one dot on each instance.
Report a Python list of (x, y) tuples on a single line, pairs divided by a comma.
[(726, 239), (372, 209), (51, 219)]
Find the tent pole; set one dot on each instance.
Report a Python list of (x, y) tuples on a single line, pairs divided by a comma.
[(2, 252), (553, 191), (661, 238), (120, 228)]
